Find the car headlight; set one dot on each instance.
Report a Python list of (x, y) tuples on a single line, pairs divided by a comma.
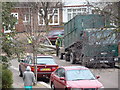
[(115, 59)]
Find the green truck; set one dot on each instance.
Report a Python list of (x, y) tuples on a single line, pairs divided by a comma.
[(87, 41)]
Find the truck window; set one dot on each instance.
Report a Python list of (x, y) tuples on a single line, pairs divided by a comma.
[(102, 37)]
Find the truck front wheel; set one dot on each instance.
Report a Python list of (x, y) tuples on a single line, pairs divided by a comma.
[(67, 57), (112, 65), (60, 55), (72, 58)]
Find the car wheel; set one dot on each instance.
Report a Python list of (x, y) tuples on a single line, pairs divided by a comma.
[(52, 86), (72, 58)]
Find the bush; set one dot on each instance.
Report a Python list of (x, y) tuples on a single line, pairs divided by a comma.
[(4, 58), (0, 75), (7, 80)]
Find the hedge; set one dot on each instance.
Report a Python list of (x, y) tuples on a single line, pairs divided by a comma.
[(7, 78)]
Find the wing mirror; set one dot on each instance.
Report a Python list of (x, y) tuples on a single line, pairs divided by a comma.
[(97, 77), (62, 78), (22, 60)]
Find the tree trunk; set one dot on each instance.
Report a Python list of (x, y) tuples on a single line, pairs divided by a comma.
[(35, 60)]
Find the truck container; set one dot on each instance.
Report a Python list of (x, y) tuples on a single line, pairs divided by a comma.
[(89, 42)]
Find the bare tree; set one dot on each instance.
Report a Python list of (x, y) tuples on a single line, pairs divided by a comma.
[(36, 10)]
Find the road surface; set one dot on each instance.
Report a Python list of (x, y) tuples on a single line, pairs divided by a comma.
[(108, 76)]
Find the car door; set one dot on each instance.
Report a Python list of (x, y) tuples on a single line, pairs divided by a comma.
[(57, 82)]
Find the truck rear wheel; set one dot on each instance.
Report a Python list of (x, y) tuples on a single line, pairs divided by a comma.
[(67, 57), (112, 65), (72, 58)]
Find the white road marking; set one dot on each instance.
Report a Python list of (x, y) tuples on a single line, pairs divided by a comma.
[(45, 84), (17, 69)]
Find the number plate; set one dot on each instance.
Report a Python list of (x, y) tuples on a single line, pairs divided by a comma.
[(103, 61), (45, 69)]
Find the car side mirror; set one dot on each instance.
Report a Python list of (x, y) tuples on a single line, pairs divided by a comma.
[(97, 77), (62, 78), (22, 60)]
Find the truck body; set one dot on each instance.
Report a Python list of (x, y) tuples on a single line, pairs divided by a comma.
[(86, 42)]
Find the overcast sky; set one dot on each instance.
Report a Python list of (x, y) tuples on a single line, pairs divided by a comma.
[(73, 2), (82, 2)]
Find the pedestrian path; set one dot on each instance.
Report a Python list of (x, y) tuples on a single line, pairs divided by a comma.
[(18, 81)]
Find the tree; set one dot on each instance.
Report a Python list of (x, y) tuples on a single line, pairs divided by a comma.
[(9, 41), (8, 21), (31, 27), (109, 10)]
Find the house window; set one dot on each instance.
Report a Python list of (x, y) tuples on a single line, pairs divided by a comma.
[(26, 18), (40, 19), (51, 19), (73, 12), (53, 16), (84, 9), (69, 16), (7, 29), (56, 19), (15, 15)]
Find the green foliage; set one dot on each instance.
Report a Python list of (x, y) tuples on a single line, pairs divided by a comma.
[(5, 73), (8, 22), (7, 19), (3, 59), (7, 80), (7, 49), (10, 45), (0, 75)]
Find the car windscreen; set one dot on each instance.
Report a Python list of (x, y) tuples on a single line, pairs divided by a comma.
[(46, 60), (73, 75), (56, 33)]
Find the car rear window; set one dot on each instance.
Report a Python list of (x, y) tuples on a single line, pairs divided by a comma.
[(56, 32), (46, 60)]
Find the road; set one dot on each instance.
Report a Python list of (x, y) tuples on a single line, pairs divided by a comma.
[(108, 76)]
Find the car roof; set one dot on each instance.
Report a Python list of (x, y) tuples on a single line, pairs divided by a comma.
[(57, 30), (44, 56), (73, 67)]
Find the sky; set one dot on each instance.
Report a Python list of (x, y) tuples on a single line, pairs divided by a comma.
[(81, 2), (73, 2)]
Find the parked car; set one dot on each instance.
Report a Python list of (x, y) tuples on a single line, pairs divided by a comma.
[(45, 65), (72, 77), (53, 35)]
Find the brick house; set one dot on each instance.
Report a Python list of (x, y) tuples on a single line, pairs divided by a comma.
[(28, 19)]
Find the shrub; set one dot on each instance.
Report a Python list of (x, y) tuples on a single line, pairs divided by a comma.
[(0, 75), (7, 80), (4, 58)]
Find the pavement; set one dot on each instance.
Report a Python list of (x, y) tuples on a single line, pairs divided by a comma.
[(18, 81)]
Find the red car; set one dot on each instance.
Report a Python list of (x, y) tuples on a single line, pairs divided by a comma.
[(74, 78), (53, 35), (45, 65)]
